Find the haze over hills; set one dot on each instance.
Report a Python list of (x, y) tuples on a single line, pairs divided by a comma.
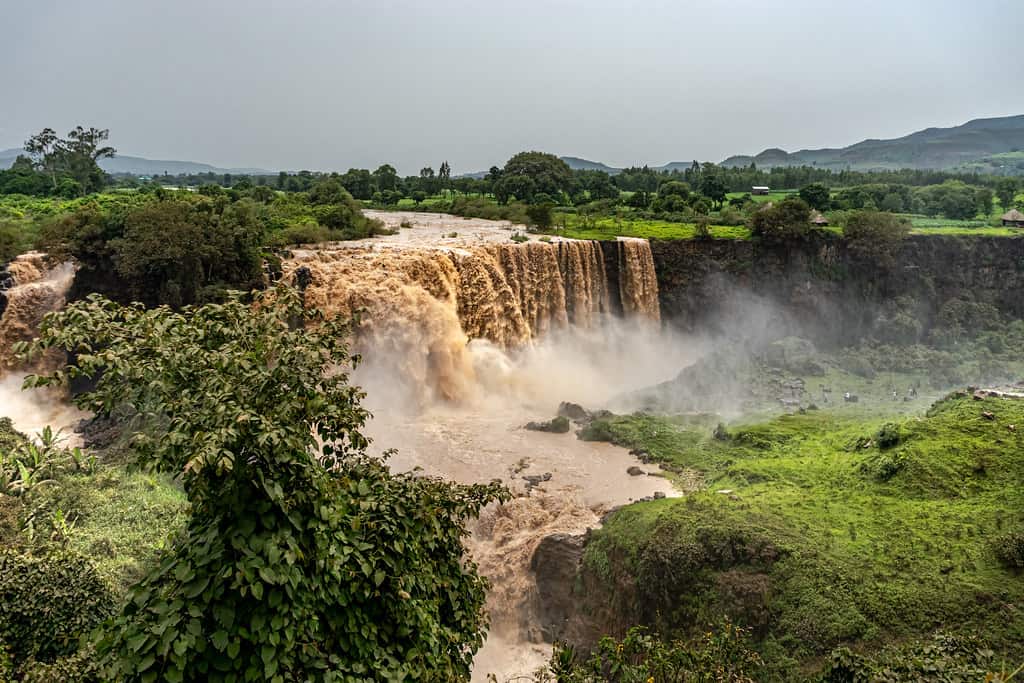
[(994, 145), (142, 166), (989, 145)]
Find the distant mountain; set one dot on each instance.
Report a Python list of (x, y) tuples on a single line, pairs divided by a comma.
[(577, 164), (142, 166), (993, 145), (933, 148)]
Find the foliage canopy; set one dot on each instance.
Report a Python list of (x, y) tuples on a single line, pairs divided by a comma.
[(303, 558)]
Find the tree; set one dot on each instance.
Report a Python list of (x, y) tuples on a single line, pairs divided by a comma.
[(82, 153), (303, 558), (1006, 190), (172, 251), (639, 200), (817, 196), (386, 178), (713, 187), (444, 175), (983, 200), (545, 172), (876, 234), (359, 183), (540, 215), (42, 149), (789, 219), (77, 156), (428, 180)]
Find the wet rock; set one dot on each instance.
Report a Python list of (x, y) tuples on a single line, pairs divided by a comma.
[(634, 471), (535, 480), (573, 411), (303, 278), (559, 425), (6, 282), (555, 565), (658, 495)]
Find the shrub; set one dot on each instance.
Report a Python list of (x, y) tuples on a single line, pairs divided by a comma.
[(944, 659), (789, 219), (304, 233), (875, 234), (48, 603), (888, 436), (1009, 549), (722, 654), (80, 667), (540, 215)]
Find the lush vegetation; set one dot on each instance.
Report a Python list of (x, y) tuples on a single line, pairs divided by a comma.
[(828, 528), (299, 557)]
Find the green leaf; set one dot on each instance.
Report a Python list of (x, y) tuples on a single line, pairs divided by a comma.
[(220, 640)]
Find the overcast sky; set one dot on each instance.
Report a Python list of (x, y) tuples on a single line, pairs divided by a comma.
[(335, 84)]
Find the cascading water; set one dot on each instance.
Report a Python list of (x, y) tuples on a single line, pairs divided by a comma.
[(422, 306), (638, 284), (34, 287), (465, 341)]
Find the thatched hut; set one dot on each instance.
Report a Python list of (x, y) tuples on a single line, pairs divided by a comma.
[(1013, 218)]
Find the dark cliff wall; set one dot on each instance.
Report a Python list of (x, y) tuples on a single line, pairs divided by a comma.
[(822, 289)]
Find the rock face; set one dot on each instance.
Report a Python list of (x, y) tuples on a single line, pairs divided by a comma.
[(555, 564), (827, 292)]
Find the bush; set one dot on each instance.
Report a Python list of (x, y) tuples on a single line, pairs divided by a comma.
[(48, 603), (945, 659), (875, 234), (305, 233), (789, 219), (540, 215), (723, 654), (80, 667), (1009, 549), (888, 436)]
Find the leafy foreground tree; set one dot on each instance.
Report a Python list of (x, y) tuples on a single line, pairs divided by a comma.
[(304, 559)]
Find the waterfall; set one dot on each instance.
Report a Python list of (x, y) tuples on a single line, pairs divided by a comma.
[(422, 306), (638, 284), (34, 287)]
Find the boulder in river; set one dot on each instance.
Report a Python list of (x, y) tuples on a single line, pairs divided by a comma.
[(559, 425), (573, 411)]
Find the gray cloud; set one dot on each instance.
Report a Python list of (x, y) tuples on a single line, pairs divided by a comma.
[(329, 85)]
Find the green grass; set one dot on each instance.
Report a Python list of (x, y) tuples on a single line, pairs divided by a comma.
[(121, 519), (773, 196), (990, 231), (875, 546), (608, 228)]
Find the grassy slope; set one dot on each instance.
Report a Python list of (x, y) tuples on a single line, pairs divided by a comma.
[(865, 561)]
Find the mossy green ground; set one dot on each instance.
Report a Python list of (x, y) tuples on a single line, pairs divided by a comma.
[(875, 546)]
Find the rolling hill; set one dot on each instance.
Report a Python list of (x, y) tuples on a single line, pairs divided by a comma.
[(931, 148), (142, 166), (993, 145)]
